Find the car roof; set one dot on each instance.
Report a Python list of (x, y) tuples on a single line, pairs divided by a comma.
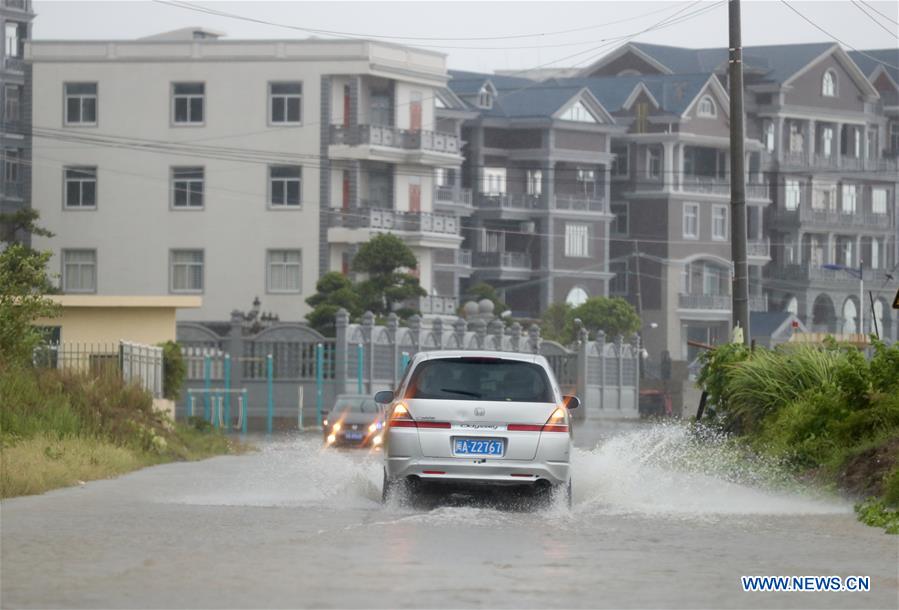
[(471, 353)]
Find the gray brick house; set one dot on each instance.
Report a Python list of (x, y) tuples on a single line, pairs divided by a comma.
[(15, 143)]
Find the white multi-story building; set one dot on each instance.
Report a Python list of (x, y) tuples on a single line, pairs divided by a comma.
[(185, 163)]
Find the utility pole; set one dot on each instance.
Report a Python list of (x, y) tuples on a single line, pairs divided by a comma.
[(738, 176)]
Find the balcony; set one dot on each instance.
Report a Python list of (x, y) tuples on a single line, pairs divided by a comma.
[(759, 247), (453, 258), (13, 189), (836, 219), (391, 142), (418, 229), (806, 161), (14, 64), (721, 187), (807, 272), (434, 305), (579, 203), (13, 126), (718, 302), (502, 265), (453, 199), (19, 5)]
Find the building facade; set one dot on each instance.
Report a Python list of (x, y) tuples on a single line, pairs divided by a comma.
[(189, 164), (15, 141)]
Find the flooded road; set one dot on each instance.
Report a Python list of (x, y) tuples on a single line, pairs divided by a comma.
[(660, 519)]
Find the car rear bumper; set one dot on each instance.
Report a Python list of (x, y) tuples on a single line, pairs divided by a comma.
[(471, 470)]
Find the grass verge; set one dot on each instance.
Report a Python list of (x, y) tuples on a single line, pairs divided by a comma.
[(59, 429)]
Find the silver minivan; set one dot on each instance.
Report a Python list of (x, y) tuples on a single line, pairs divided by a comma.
[(478, 417)]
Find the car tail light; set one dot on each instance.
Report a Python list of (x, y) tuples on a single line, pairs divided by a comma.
[(401, 418), (555, 423)]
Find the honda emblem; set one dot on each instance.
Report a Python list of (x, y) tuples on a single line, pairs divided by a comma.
[(479, 411)]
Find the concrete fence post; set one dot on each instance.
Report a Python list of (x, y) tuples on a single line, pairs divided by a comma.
[(515, 336), (341, 350), (601, 350)]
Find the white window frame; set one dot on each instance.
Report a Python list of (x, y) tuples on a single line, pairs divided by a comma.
[(12, 103), (818, 191), (879, 201), (849, 199), (875, 253), (190, 192), (12, 158), (485, 98), (707, 108), (535, 182), (285, 181), (653, 155), (81, 266), (792, 194), (694, 207), (494, 181), (286, 98), (829, 84), (288, 268), (187, 265), (827, 142), (577, 240), (722, 211), (189, 97), (82, 98), (81, 181), (769, 129)]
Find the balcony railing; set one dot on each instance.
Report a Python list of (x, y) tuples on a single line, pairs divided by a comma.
[(448, 195), (14, 64), (13, 189), (510, 260), (835, 218), (393, 220), (456, 258), (436, 305), (807, 271), (835, 161), (391, 137), (759, 247), (508, 201), (579, 203), (721, 186), (718, 302), (16, 126)]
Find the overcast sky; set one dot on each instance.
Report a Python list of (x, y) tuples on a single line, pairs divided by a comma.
[(486, 36)]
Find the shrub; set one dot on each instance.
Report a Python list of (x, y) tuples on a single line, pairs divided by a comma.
[(174, 370)]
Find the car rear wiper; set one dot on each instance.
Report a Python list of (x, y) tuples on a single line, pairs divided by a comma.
[(463, 392)]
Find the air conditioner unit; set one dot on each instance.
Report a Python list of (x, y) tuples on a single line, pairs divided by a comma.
[(528, 227)]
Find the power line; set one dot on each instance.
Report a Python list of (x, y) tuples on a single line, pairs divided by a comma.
[(872, 18), (845, 44), (879, 13)]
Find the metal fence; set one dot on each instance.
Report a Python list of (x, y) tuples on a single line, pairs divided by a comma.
[(135, 362)]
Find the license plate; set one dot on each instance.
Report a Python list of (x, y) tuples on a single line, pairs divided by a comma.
[(353, 436), (477, 446)]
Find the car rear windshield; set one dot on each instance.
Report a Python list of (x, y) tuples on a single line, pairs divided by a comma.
[(480, 379)]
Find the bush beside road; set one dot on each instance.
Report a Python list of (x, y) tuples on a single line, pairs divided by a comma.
[(827, 412), (59, 429)]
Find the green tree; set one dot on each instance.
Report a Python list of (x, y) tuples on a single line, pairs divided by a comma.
[(382, 258), (556, 323), (333, 292), (23, 282), (483, 290), (613, 316), (14, 226), (174, 370)]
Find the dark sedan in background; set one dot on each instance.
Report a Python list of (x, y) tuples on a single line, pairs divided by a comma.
[(355, 420)]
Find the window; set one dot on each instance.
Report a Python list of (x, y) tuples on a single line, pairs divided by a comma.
[(789, 248), (691, 220), (81, 187), (620, 164), (878, 201), (791, 194), (875, 253), (286, 102), (707, 107), (12, 103), (81, 103), (827, 141), (285, 182), (577, 240), (619, 225), (494, 180), (187, 187), (618, 284), (187, 102), (11, 166), (894, 137), (79, 270), (824, 197), (654, 162), (719, 222), (579, 113), (11, 41), (186, 271), (485, 97), (642, 117), (829, 84), (850, 197), (284, 272), (769, 136), (535, 182), (797, 142), (497, 380)]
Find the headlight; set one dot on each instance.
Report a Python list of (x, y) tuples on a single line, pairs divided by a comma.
[(325, 422), (373, 427), (377, 440), (331, 438), (336, 427)]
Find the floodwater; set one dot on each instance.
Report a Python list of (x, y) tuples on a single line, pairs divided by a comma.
[(661, 518)]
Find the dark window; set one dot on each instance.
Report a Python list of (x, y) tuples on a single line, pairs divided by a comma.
[(187, 187), (480, 379), (81, 187), (286, 182), (81, 103), (286, 102), (188, 102)]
